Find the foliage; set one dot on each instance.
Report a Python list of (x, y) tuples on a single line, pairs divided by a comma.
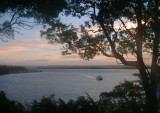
[(49, 104), (124, 98), (21, 14), (107, 31), (46, 105), (127, 91), (7, 106)]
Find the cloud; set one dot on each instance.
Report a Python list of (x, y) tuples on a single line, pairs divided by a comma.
[(8, 49), (57, 60), (24, 46), (39, 52), (70, 57), (35, 43)]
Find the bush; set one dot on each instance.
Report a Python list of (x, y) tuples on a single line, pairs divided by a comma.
[(50, 105), (7, 106), (124, 98)]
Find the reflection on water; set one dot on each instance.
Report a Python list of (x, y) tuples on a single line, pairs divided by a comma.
[(64, 83), (89, 76)]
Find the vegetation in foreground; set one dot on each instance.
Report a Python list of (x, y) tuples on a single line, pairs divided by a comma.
[(124, 98)]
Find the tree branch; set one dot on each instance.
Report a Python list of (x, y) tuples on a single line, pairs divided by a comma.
[(126, 28), (115, 53), (103, 52), (94, 31)]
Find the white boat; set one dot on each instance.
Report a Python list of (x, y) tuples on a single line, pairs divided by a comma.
[(99, 77)]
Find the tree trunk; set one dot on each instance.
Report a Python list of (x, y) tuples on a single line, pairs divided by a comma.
[(150, 91), (149, 82)]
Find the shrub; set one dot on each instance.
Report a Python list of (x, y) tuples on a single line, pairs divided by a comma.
[(7, 106), (124, 98)]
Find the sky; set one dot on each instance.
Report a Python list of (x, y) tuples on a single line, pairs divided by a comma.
[(29, 49)]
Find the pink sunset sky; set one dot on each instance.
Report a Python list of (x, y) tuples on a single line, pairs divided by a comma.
[(36, 51), (28, 48)]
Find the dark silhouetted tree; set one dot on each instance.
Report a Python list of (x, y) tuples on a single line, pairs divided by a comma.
[(25, 14), (124, 98), (108, 32), (7, 106)]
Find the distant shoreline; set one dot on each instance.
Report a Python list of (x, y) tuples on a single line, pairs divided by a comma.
[(29, 71), (5, 70), (86, 67)]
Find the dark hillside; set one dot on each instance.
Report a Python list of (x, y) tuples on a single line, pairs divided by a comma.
[(11, 69)]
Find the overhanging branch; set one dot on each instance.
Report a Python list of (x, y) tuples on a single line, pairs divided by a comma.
[(103, 52), (114, 52), (126, 28)]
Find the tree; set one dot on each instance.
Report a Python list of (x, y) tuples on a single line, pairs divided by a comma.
[(124, 98), (107, 33), (8, 106), (23, 14)]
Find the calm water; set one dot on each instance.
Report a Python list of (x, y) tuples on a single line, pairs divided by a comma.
[(64, 83)]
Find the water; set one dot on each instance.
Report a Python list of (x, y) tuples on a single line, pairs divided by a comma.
[(64, 83)]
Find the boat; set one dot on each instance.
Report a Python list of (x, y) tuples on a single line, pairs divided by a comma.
[(99, 77)]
